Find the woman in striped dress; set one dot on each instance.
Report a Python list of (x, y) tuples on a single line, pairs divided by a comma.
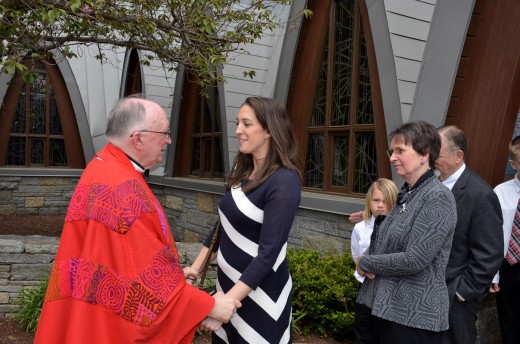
[(257, 212)]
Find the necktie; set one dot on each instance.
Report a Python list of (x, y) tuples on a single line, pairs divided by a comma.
[(513, 252)]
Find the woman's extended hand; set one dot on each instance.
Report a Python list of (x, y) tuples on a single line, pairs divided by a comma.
[(209, 324), (191, 275)]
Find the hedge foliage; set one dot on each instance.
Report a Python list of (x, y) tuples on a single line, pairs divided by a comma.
[(324, 292)]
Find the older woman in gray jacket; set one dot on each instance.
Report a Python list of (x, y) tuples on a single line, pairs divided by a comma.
[(406, 261)]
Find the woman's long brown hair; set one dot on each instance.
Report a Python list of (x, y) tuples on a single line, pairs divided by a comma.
[(282, 152)]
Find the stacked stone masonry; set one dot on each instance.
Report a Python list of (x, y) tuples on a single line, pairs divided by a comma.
[(23, 260), (35, 195), (191, 213)]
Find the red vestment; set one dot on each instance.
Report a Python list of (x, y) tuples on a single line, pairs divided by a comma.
[(117, 276)]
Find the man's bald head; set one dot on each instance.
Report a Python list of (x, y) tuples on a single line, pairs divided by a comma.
[(140, 128), (130, 114)]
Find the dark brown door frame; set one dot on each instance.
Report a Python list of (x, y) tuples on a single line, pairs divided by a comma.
[(490, 92)]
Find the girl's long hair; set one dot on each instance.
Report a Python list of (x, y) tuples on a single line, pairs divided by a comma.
[(389, 191)]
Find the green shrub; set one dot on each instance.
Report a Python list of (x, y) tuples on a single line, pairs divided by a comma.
[(324, 292), (31, 302)]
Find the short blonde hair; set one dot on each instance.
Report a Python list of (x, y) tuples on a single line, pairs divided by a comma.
[(389, 191)]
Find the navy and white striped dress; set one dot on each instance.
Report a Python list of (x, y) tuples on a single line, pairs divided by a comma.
[(252, 249)]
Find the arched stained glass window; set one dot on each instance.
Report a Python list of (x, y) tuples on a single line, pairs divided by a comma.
[(331, 100), (133, 80), (199, 144), (41, 129)]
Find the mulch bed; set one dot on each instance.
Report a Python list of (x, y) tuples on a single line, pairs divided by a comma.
[(12, 334), (48, 225)]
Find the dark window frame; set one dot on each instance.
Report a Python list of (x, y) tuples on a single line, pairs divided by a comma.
[(71, 137), (304, 79), (133, 81), (193, 129)]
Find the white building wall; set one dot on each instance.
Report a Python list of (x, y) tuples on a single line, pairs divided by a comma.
[(159, 84), (264, 58), (99, 85), (409, 23)]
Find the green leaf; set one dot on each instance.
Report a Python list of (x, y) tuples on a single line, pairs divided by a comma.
[(53, 15), (20, 67), (75, 5), (198, 35), (250, 73), (31, 302), (9, 68), (29, 77)]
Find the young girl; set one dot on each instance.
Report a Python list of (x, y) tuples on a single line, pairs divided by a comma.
[(380, 198)]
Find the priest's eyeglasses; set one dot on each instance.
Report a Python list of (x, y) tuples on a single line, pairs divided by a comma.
[(165, 133)]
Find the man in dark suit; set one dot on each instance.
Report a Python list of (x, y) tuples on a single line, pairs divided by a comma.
[(478, 247)]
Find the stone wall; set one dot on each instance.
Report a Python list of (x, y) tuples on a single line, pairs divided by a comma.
[(25, 260), (35, 195), (191, 213)]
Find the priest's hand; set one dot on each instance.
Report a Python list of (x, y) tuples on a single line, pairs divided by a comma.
[(224, 307)]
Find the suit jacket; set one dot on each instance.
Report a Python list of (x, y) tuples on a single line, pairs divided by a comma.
[(477, 249)]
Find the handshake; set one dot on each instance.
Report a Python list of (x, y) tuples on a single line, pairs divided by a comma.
[(222, 311)]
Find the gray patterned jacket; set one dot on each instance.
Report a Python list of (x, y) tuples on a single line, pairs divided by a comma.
[(409, 255)]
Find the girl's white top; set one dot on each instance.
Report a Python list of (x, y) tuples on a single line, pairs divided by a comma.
[(360, 240)]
